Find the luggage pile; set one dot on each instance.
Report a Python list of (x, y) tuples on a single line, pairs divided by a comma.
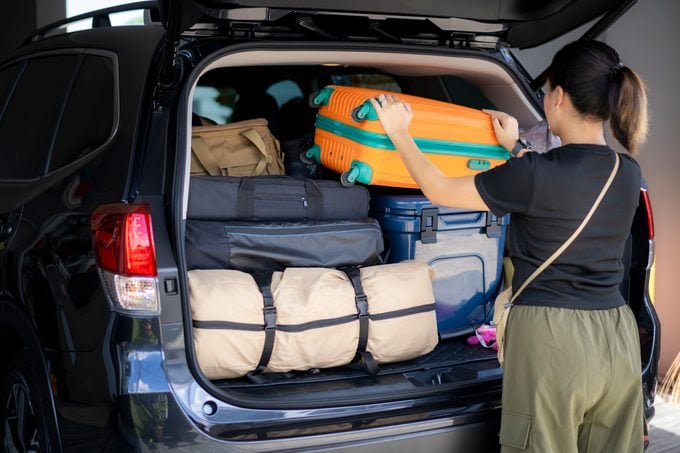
[(287, 274), (290, 273)]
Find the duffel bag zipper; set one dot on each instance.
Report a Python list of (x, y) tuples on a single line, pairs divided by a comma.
[(282, 198)]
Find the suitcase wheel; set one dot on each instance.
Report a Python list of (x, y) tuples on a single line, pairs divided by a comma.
[(364, 112), (358, 171), (349, 177), (311, 156), (320, 98)]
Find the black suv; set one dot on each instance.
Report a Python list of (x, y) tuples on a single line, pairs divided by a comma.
[(95, 127)]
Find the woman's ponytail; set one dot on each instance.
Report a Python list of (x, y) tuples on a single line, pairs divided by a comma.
[(601, 87), (628, 108)]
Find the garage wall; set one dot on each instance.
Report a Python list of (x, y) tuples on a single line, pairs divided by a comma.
[(647, 38)]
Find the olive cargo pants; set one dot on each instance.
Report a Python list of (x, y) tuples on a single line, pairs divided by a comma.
[(572, 381)]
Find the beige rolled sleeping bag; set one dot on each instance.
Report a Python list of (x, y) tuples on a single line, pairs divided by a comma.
[(317, 322)]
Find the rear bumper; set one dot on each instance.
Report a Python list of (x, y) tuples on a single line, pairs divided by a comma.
[(177, 433)]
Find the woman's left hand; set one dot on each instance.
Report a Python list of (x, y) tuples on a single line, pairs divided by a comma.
[(394, 114), (505, 127)]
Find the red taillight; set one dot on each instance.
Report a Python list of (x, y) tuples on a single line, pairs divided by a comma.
[(123, 240), (648, 210)]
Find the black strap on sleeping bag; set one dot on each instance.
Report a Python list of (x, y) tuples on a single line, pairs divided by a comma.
[(364, 357), (264, 280)]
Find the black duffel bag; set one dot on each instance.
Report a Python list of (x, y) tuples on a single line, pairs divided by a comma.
[(226, 198), (273, 246)]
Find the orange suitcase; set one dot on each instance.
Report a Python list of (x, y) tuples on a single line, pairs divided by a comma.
[(350, 140)]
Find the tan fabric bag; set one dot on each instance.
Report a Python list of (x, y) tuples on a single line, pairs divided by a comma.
[(505, 298), (246, 148), (317, 323)]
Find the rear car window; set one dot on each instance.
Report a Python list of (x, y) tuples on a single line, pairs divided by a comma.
[(32, 114), (88, 118), (7, 78), (464, 93), (372, 81)]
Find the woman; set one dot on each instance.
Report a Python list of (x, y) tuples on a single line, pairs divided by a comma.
[(572, 379)]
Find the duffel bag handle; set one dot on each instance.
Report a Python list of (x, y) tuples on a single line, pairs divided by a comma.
[(254, 137), (205, 157)]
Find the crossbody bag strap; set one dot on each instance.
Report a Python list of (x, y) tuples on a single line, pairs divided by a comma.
[(571, 239)]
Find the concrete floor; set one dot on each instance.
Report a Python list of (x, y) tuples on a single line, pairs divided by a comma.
[(664, 429)]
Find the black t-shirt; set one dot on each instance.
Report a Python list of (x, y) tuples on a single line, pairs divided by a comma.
[(548, 196)]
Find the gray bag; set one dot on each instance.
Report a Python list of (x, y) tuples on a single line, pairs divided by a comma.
[(262, 246)]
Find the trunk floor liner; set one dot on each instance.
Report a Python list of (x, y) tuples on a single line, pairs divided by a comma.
[(448, 353)]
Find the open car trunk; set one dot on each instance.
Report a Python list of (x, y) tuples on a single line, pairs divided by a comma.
[(279, 80), (277, 85)]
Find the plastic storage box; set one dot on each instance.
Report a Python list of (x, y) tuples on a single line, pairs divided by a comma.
[(464, 248)]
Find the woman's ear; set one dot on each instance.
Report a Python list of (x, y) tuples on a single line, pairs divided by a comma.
[(558, 96)]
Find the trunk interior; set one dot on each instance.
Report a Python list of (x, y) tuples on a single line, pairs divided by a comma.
[(277, 86)]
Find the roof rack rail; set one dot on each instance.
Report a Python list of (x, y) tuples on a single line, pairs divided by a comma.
[(100, 18)]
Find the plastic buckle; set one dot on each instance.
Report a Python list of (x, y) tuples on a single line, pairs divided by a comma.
[(362, 305), (429, 222), (269, 318), (493, 226)]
